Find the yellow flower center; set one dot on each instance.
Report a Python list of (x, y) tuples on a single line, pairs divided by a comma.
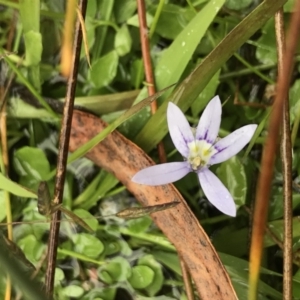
[(200, 154)]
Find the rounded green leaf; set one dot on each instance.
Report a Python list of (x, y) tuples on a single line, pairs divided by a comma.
[(106, 293), (59, 276), (139, 225), (276, 209), (106, 277), (142, 277), (123, 41), (104, 69), (111, 247), (31, 162), (32, 248), (265, 51), (88, 245), (232, 174), (73, 291), (124, 9), (116, 270), (157, 283)]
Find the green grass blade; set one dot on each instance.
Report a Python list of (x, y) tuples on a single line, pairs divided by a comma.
[(30, 19), (28, 85), (15, 189)]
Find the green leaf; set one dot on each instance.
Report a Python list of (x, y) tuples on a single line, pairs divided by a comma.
[(238, 270), (294, 101), (157, 283), (15, 189), (207, 94), (172, 20), (96, 190), (296, 284), (139, 225), (88, 245), (232, 174), (59, 275), (289, 6), (117, 270), (124, 9), (276, 209), (111, 247), (134, 20), (30, 287), (234, 242), (33, 43), (30, 18), (87, 217), (266, 45), (31, 162), (106, 293), (30, 15), (237, 4), (2, 202), (32, 248), (123, 41), (141, 277), (73, 291), (104, 70), (168, 259), (136, 72), (106, 8)]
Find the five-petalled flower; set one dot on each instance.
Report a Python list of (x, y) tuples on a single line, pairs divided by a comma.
[(200, 149)]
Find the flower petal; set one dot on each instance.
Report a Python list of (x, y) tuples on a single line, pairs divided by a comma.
[(179, 128), (162, 174), (209, 123), (216, 192), (232, 144)]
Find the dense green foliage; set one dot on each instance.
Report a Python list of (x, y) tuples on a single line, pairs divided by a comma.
[(132, 259)]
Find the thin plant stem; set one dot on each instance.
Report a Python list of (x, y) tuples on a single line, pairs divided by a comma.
[(268, 156), (189, 2), (148, 66), (63, 152), (286, 161), (156, 17), (253, 69)]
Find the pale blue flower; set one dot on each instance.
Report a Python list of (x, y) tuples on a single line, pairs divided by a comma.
[(200, 149)]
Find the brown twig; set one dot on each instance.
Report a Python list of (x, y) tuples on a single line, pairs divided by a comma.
[(63, 152), (286, 160), (148, 66), (268, 157)]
